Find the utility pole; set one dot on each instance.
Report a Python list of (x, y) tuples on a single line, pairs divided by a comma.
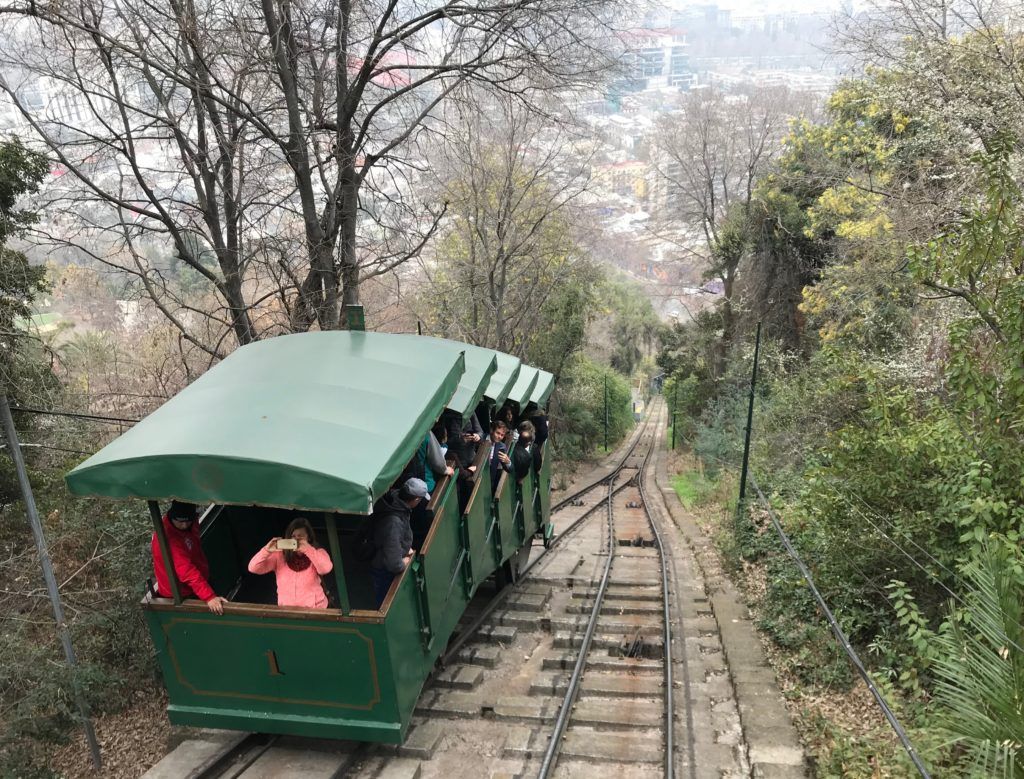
[(675, 399), (606, 413), (750, 422), (51, 581)]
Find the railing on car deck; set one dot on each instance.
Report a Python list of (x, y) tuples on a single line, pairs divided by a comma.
[(478, 521)]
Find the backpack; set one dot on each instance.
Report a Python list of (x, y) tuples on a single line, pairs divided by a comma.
[(365, 547)]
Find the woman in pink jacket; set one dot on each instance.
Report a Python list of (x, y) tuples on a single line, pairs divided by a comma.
[(298, 571)]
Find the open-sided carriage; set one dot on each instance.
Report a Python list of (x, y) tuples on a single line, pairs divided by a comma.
[(321, 424)]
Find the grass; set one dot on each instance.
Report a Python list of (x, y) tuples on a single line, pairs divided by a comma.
[(693, 488), (39, 322)]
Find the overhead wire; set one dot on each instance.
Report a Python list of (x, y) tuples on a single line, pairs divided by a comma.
[(881, 533), (24, 445), (841, 637), (76, 415), (928, 573), (837, 630)]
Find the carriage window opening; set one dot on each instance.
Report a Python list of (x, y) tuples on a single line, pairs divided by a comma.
[(298, 563)]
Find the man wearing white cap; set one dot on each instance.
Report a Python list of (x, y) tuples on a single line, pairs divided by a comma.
[(392, 534)]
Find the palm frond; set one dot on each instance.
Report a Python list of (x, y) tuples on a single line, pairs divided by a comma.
[(979, 670)]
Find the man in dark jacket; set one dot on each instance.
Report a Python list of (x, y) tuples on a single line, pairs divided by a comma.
[(463, 437), (392, 534), (523, 456), (500, 460)]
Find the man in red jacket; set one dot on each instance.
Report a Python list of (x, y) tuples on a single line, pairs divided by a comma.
[(190, 564)]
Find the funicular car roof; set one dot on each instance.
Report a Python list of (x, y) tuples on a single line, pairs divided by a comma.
[(544, 387), (522, 391), (317, 421), (481, 366), (504, 379)]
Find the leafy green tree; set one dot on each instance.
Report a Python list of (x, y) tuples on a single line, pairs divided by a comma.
[(635, 326), (23, 372), (21, 172)]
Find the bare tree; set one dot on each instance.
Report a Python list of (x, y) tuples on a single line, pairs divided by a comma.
[(881, 31), (710, 155), (268, 146), (510, 176)]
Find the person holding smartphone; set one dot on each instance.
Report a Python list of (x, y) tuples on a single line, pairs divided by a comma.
[(392, 534), (463, 435), (500, 461), (298, 563)]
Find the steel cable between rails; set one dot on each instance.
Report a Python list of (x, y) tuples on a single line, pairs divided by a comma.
[(841, 636), (565, 710), (669, 702)]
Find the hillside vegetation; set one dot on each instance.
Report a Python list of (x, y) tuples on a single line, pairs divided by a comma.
[(884, 254)]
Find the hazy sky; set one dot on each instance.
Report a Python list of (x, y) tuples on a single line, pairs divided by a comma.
[(744, 7)]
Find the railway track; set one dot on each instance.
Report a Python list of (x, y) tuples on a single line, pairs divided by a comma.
[(566, 670), (571, 672)]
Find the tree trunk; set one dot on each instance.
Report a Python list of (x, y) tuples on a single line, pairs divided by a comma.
[(348, 212), (241, 323)]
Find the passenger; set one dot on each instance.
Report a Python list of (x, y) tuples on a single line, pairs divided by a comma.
[(463, 437), (507, 415), (298, 571), (524, 456), (430, 458), (190, 564), (465, 478), (500, 460), (539, 420), (392, 534)]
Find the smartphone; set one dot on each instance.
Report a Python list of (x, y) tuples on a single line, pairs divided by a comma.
[(287, 543)]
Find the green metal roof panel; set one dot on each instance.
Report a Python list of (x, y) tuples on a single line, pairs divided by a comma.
[(542, 391), (481, 365), (523, 388), (317, 421), (504, 379)]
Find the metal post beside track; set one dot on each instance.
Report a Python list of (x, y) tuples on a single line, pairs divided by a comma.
[(606, 414), (51, 581), (750, 424)]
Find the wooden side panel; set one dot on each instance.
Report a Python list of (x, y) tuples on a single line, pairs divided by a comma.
[(477, 519), (506, 502), (314, 676), (528, 495), (442, 558), (544, 486)]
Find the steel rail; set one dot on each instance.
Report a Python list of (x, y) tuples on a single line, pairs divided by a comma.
[(667, 638), (565, 711), (236, 759), (551, 754), (597, 482)]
